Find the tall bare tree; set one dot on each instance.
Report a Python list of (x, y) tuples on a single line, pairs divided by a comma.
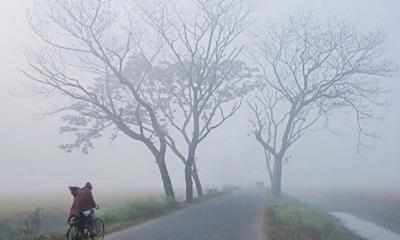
[(92, 57), (205, 78), (308, 70)]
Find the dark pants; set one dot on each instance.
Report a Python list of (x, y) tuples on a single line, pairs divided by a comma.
[(91, 222)]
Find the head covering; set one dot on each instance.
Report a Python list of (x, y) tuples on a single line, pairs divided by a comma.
[(88, 185)]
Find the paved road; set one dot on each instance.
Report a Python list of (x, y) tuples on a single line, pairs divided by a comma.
[(236, 216)]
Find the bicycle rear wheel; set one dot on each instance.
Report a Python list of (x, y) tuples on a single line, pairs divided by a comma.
[(99, 229)]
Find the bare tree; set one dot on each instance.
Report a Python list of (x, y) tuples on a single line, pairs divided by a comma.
[(204, 76), (308, 70), (93, 58)]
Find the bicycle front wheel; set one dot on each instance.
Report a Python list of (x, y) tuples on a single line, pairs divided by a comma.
[(73, 233), (99, 229)]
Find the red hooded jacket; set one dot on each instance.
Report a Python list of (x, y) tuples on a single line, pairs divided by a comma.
[(83, 200)]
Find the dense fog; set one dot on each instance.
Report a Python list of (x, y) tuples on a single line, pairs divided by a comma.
[(30, 160)]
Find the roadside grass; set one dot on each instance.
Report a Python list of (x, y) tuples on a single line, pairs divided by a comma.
[(135, 212), (290, 219)]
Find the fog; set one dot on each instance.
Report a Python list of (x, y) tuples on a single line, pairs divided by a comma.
[(30, 160)]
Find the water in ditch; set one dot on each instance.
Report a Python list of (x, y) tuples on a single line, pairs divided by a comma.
[(366, 229)]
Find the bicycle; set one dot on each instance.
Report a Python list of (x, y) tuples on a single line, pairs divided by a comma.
[(78, 229)]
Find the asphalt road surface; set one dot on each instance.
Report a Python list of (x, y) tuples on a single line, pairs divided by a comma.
[(236, 216)]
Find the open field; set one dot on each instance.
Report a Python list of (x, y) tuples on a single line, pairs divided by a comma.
[(379, 207), (290, 219)]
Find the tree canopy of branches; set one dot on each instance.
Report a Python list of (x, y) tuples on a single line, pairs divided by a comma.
[(308, 69), (205, 78), (93, 58)]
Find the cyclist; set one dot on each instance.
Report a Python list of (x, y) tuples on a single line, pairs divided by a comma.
[(84, 203)]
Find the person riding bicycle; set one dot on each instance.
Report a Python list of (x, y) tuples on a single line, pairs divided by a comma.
[(84, 203)]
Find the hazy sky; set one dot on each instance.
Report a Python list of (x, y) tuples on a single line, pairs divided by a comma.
[(29, 158)]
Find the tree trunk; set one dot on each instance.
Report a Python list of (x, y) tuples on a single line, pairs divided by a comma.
[(196, 179), (159, 155), (189, 172), (276, 185), (189, 183), (268, 163), (169, 190)]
